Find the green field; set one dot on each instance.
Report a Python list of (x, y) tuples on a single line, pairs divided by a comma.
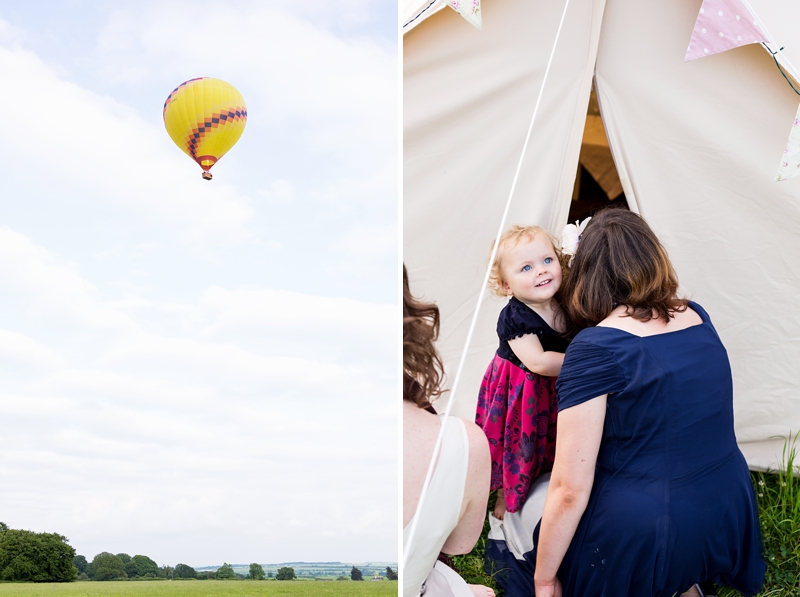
[(202, 588)]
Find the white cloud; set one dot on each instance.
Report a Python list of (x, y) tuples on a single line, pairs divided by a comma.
[(22, 349), (205, 360), (9, 34), (129, 406), (50, 287), (104, 149), (381, 241), (371, 188), (339, 93), (279, 191), (304, 314)]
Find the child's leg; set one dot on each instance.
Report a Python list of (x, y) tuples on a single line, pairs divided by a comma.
[(500, 505)]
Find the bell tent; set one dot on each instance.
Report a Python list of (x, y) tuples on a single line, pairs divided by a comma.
[(693, 146)]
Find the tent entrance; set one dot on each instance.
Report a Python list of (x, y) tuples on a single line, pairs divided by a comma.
[(597, 183)]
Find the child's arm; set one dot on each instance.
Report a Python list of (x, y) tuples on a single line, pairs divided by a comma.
[(529, 350)]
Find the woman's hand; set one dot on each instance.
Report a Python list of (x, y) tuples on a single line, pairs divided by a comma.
[(547, 589)]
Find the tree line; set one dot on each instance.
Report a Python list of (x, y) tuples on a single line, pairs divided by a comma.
[(48, 557), (37, 557), (356, 574)]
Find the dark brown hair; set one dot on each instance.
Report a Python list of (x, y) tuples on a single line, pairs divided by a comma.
[(620, 262), (422, 365)]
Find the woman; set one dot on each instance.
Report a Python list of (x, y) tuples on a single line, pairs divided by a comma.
[(649, 492), (451, 518)]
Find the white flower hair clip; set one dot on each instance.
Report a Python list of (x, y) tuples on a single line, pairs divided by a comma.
[(571, 238)]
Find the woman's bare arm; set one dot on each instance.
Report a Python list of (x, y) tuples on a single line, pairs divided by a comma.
[(476, 494), (580, 429)]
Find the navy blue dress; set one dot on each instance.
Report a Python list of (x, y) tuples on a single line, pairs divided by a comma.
[(672, 502)]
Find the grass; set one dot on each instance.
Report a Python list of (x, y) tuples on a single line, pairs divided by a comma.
[(202, 588), (779, 509)]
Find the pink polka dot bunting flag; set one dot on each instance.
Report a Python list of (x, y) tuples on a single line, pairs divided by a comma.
[(469, 9), (790, 161), (722, 25)]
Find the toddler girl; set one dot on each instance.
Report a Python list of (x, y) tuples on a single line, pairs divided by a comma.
[(517, 399)]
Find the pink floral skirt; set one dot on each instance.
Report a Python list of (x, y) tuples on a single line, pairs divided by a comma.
[(517, 410)]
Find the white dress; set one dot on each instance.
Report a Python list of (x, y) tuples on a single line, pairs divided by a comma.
[(438, 518)]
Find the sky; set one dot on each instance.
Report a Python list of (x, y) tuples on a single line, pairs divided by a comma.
[(200, 372)]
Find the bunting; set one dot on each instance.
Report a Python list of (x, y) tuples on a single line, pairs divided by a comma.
[(723, 25), (469, 9)]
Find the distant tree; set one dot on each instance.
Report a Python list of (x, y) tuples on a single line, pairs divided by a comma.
[(166, 572), (225, 572), (107, 566), (3, 527), (269, 574), (256, 572), (206, 575), (391, 574), (341, 577), (37, 557), (285, 573), (124, 557), (80, 563), (355, 574), (184, 571), (141, 567)]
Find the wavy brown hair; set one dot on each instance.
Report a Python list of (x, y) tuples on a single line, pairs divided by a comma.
[(422, 365), (620, 261)]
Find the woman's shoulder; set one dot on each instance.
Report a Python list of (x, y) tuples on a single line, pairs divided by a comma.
[(699, 310), (600, 341), (475, 436), (600, 346), (595, 364), (469, 445), (478, 443), (595, 335)]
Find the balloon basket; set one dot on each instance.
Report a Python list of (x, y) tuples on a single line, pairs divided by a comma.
[(207, 175)]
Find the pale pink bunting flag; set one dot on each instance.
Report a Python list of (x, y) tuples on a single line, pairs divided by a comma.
[(722, 25), (469, 9), (790, 162)]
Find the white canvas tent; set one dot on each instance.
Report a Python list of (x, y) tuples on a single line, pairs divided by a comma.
[(696, 145)]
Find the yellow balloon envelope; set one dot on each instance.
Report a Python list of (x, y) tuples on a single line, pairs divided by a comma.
[(205, 118)]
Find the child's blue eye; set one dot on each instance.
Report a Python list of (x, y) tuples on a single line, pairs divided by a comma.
[(526, 268), (548, 259)]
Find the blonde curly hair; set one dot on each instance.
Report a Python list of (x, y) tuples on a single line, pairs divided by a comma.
[(511, 238)]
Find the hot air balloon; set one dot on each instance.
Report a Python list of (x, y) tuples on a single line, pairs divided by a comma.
[(205, 118)]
